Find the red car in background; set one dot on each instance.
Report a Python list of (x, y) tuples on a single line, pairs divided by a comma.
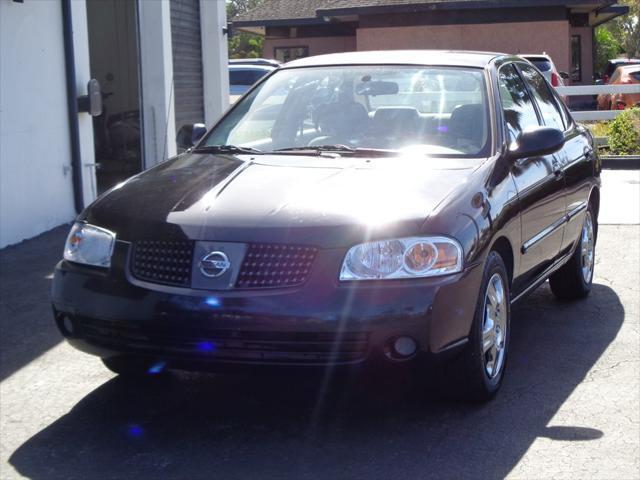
[(612, 65), (626, 75)]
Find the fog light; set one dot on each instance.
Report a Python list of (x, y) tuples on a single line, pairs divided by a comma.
[(405, 346), (400, 348)]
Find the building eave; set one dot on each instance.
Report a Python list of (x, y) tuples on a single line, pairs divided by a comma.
[(281, 22), (606, 14), (455, 5)]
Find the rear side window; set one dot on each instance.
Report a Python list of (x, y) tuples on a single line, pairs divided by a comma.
[(543, 97), (517, 106), (611, 67), (635, 75)]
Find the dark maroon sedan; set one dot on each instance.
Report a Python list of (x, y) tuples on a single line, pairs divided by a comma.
[(351, 209)]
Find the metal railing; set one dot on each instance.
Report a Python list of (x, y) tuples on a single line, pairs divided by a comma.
[(596, 115)]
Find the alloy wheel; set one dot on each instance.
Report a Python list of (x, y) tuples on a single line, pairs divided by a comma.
[(587, 246), (494, 327)]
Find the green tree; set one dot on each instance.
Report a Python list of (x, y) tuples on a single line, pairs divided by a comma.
[(607, 47), (243, 44), (626, 29)]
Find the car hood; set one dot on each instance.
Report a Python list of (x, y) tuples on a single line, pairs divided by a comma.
[(323, 200)]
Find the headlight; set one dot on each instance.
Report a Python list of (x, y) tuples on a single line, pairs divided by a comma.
[(89, 245), (413, 257)]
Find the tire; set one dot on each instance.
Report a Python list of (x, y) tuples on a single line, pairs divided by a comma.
[(133, 367), (574, 279), (477, 374)]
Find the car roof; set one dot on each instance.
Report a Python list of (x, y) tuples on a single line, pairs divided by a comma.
[(624, 60), (539, 56), (633, 66), (254, 61), (235, 66), (399, 57)]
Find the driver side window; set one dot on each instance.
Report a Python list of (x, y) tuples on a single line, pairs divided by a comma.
[(519, 112)]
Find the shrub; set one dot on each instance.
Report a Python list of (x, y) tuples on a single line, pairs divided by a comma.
[(624, 133)]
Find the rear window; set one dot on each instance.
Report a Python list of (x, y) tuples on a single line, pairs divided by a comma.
[(541, 64), (245, 77), (611, 66)]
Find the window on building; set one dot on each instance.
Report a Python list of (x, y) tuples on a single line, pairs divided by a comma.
[(518, 108), (286, 54), (576, 58), (543, 97)]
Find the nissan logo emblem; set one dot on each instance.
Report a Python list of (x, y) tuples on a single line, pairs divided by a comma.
[(214, 264)]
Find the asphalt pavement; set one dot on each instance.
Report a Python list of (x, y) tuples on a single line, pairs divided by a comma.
[(569, 407)]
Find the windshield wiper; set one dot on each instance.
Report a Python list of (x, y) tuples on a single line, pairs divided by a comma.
[(338, 149), (226, 149)]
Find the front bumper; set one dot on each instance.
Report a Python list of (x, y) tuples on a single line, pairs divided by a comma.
[(107, 313)]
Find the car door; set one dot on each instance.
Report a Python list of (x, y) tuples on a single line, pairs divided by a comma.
[(539, 182), (575, 158)]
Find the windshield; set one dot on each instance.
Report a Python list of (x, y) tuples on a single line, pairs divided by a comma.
[(430, 110)]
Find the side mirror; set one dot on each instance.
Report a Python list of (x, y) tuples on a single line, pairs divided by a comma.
[(189, 135), (537, 142), (564, 75)]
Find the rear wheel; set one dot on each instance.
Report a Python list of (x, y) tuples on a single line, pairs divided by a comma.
[(478, 373), (573, 280)]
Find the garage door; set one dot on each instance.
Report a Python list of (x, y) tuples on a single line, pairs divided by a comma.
[(187, 62)]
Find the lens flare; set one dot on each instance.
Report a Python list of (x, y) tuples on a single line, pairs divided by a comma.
[(135, 431), (206, 347), (156, 368), (213, 302)]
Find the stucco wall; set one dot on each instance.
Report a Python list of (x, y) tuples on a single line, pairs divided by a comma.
[(317, 45), (535, 37), (36, 190)]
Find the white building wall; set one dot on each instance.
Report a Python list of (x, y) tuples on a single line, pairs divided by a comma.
[(215, 60), (158, 116), (36, 191)]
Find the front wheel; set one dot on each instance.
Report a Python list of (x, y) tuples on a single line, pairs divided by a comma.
[(478, 373), (573, 280)]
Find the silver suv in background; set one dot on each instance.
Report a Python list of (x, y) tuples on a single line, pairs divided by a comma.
[(544, 63), (243, 73)]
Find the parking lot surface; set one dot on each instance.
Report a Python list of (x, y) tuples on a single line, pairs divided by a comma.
[(569, 407)]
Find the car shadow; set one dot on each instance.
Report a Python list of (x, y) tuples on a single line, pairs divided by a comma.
[(255, 426), (26, 322)]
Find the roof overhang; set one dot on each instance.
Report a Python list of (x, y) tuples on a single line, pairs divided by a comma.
[(457, 5), (605, 14), (599, 11), (252, 26)]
